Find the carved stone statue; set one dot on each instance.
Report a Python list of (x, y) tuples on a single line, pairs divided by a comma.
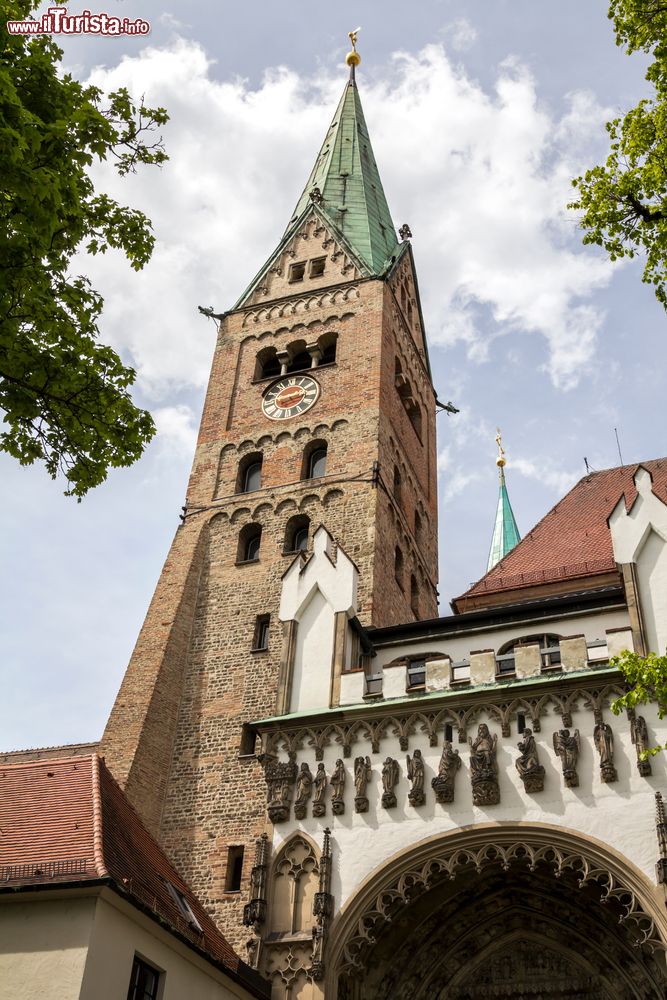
[(528, 765), (362, 775), (320, 783), (304, 788), (567, 748), (443, 783), (416, 776), (338, 786), (604, 744), (280, 778), (390, 776), (483, 767), (639, 734)]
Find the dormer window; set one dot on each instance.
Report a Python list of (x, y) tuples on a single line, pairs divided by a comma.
[(183, 906)]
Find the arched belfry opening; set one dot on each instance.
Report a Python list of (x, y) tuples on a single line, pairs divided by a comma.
[(519, 912)]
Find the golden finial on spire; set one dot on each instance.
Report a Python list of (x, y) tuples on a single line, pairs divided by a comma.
[(501, 461), (353, 58)]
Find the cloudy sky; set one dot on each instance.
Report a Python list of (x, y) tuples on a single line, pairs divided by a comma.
[(480, 113)]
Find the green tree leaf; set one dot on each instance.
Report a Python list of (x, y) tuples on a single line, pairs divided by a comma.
[(65, 395), (623, 201), (646, 677)]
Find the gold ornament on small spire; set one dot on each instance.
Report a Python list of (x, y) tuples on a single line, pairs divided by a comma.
[(501, 461), (353, 58)]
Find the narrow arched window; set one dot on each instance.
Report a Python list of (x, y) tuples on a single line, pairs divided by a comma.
[(296, 533), (250, 538), (249, 476), (314, 463), (415, 415), (418, 527), (267, 364), (397, 483), (414, 595), (317, 463), (398, 566), (252, 479), (327, 344)]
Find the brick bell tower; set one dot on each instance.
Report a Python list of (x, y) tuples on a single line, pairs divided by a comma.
[(320, 410)]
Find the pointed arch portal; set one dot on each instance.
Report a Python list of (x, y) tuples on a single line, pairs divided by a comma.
[(520, 912)]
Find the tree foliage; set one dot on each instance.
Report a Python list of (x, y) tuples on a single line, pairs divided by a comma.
[(624, 200), (646, 677), (65, 395)]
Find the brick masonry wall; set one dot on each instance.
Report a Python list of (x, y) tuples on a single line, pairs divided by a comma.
[(174, 734)]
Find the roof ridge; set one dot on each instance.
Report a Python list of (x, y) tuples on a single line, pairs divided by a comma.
[(51, 761), (98, 844)]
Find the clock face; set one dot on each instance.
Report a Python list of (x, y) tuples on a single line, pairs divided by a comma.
[(290, 396)]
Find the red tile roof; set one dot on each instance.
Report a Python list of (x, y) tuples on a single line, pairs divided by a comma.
[(573, 540), (67, 821), (48, 753)]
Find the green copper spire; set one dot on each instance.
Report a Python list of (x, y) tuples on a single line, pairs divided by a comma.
[(505, 533), (346, 185)]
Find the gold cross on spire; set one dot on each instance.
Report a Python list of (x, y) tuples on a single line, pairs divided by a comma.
[(353, 58), (501, 460)]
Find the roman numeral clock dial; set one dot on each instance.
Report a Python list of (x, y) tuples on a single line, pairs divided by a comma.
[(290, 396)]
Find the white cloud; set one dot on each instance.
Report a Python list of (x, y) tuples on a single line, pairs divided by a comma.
[(545, 472), (460, 34), (482, 178), (176, 429)]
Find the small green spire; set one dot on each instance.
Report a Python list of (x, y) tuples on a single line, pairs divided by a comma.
[(346, 186), (505, 532)]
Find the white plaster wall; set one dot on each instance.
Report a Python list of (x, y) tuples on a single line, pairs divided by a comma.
[(43, 948), (640, 536), (311, 673), (652, 581), (117, 936), (83, 949), (622, 814), (592, 625)]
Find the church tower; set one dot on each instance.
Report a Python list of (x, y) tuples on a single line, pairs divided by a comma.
[(320, 410)]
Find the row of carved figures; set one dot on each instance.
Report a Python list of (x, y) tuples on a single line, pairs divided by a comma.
[(281, 777)]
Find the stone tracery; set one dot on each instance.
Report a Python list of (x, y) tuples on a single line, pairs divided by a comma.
[(493, 899)]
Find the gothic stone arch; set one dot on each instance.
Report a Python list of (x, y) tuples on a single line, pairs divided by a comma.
[(518, 911)]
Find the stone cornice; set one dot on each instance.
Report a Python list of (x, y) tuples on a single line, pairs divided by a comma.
[(428, 714)]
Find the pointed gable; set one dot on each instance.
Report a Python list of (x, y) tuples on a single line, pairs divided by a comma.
[(323, 254)]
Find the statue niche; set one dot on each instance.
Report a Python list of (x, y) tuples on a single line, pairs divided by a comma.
[(362, 775), (338, 786), (416, 776), (604, 744), (390, 775), (280, 778), (528, 765), (567, 748), (320, 783), (443, 783), (640, 738), (304, 788), (483, 767)]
